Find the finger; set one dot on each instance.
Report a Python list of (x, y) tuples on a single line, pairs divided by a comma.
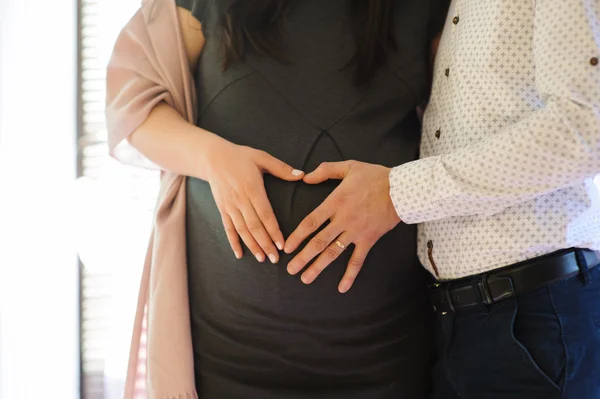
[(354, 267), (232, 235), (267, 217), (256, 228), (331, 253), (240, 226), (309, 225), (278, 168), (318, 244), (327, 171)]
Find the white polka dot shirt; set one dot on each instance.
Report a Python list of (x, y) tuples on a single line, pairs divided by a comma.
[(511, 137)]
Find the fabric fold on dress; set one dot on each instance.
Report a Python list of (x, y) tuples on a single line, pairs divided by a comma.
[(148, 66)]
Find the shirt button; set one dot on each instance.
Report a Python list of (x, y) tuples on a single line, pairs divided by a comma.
[(455, 20), (447, 72), (438, 133), (594, 61)]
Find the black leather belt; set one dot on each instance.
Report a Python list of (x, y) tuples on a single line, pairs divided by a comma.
[(494, 286)]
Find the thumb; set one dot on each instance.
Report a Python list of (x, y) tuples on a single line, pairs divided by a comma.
[(327, 171), (278, 168)]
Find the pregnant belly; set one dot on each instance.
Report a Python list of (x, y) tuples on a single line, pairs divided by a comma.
[(252, 320)]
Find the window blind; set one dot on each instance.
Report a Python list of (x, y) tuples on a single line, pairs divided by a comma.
[(115, 209)]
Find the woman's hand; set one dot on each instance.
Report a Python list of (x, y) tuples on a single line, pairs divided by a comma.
[(360, 211), (235, 174)]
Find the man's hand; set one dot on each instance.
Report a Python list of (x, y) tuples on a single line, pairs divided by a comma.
[(360, 212)]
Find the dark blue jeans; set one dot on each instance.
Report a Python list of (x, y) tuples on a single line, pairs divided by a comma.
[(544, 344)]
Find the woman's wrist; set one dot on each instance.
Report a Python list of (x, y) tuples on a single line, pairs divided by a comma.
[(206, 152)]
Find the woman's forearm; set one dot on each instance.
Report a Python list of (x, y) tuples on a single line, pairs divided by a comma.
[(173, 144)]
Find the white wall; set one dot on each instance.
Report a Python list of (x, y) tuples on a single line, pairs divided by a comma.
[(38, 268)]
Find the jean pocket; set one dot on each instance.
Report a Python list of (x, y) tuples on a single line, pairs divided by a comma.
[(537, 331)]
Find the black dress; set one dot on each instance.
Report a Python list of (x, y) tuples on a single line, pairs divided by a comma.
[(257, 331)]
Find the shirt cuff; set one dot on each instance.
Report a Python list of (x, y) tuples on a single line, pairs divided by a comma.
[(417, 191)]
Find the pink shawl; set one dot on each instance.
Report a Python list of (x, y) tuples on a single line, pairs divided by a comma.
[(149, 65)]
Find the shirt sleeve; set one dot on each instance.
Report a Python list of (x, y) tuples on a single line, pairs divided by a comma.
[(196, 7), (555, 147)]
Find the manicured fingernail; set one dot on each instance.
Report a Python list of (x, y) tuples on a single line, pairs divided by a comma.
[(297, 172), (237, 254), (344, 287), (279, 246), (307, 278), (273, 258), (259, 257)]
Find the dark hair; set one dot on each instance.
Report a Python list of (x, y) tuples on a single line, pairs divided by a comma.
[(258, 25)]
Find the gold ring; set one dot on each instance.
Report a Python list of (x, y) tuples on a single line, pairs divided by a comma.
[(339, 244)]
